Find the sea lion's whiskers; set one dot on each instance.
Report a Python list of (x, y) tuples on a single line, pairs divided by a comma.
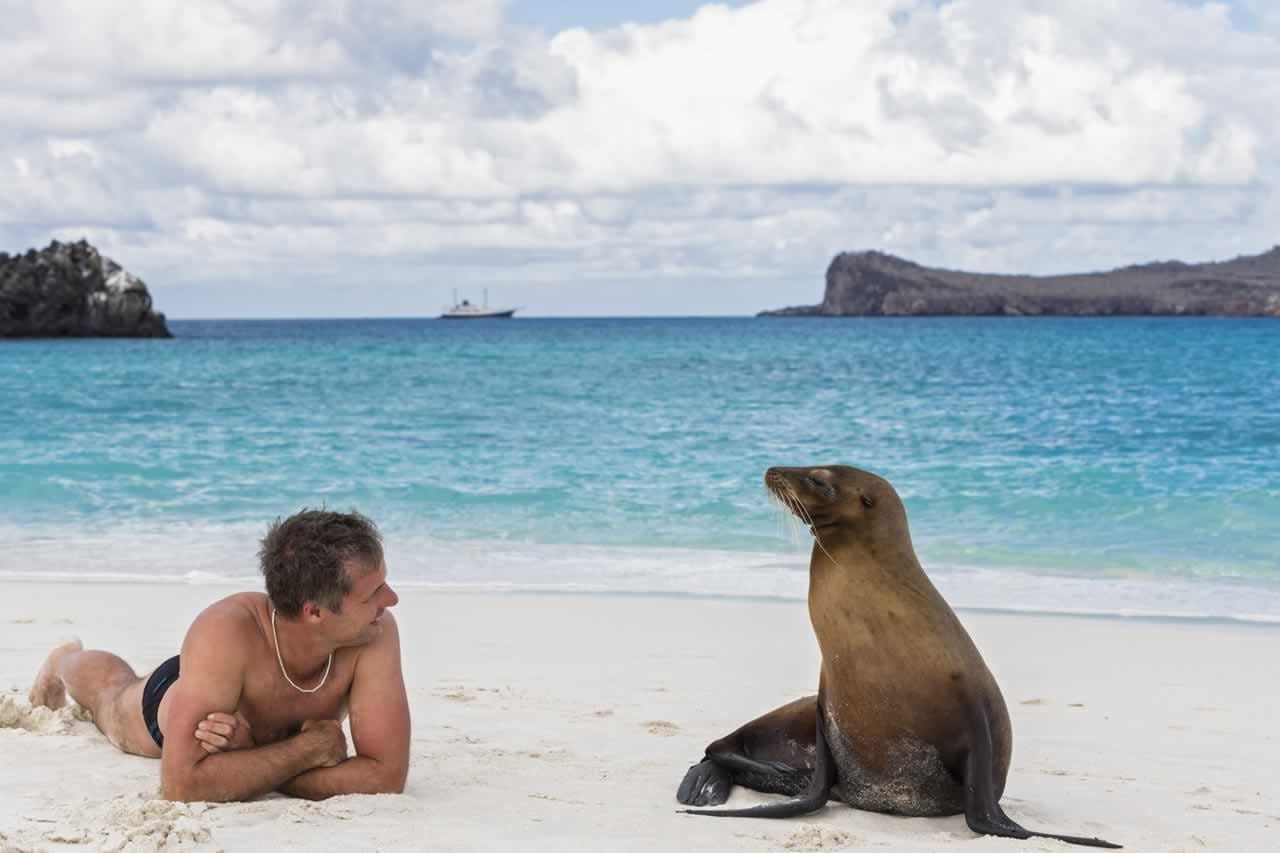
[(793, 524), (794, 499)]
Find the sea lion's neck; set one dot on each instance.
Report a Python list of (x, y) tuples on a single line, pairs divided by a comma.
[(862, 589), (874, 560), (866, 580)]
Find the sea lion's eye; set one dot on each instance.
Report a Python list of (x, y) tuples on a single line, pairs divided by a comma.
[(867, 501), (821, 487)]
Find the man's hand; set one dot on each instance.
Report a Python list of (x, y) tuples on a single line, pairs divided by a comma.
[(380, 729), (330, 740), (224, 732)]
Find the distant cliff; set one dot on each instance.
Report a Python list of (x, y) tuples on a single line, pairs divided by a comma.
[(69, 290), (876, 284)]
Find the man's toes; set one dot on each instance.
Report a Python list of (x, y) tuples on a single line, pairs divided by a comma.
[(48, 690)]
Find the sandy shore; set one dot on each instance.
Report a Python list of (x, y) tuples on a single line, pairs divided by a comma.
[(558, 722)]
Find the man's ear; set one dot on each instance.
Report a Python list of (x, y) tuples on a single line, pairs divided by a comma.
[(311, 611)]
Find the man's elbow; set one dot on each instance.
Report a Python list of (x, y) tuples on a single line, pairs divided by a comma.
[(390, 780), (384, 787), (190, 794), (185, 788), (178, 792), (389, 786)]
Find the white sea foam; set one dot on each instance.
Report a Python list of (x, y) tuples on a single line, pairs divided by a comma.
[(223, 556)]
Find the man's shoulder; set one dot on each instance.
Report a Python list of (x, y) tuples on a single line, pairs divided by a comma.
[(241, 608), (231, 622), (244, 603), (385, 646)]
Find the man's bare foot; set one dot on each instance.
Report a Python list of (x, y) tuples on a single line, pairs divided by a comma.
[(48, 689)]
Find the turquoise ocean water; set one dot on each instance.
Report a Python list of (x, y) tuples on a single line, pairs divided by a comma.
[(1124, 466)]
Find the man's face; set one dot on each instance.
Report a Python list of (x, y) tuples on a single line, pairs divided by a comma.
[(360, 620)]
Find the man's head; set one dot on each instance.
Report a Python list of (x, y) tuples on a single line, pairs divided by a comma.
[(315, 556)]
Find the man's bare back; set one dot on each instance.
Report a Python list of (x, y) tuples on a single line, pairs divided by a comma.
[(255, 701)]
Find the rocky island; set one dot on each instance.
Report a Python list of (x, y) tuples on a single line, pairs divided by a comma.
[(69, 290), (877, 284)]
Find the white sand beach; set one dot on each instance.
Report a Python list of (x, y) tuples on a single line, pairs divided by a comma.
[(560, 722)]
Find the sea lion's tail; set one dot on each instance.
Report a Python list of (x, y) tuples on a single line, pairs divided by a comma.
[(982, 810), (814, 797), (1083, 842), (1005, 827)]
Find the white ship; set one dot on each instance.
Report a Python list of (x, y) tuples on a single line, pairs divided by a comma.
[(465, 310)]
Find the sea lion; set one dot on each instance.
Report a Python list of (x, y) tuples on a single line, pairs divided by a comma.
[(908, 720)]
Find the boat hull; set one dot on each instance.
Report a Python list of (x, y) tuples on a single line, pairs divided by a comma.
[(479, 315)]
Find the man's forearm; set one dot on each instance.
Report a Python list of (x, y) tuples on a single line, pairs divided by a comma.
[(242, 774), (357, 775)]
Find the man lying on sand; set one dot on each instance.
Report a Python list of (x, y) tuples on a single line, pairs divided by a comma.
[(266, 679)]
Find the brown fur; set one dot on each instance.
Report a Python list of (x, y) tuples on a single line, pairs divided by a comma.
[(900, 676), (908, 719)]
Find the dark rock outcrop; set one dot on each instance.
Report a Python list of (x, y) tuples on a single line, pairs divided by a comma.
[(69, 290), (876, 284)]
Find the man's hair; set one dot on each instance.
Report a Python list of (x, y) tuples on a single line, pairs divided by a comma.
[(309, 555)]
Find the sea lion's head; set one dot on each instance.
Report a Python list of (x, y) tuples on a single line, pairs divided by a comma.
[(829, 498)]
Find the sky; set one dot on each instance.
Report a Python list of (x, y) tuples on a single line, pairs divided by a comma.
[(300, 158)]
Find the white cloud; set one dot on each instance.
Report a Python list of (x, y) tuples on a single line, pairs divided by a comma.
[(287, 139), (62, 45)]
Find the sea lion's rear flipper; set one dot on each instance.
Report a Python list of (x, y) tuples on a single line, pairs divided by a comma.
[(981, 808), (773, 754), (706, 783), (813, 798)]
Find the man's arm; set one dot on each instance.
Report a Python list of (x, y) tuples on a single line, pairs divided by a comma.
[(380, 728), (214, 655)]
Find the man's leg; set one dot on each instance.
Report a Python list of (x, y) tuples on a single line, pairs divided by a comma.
[(103, 683)]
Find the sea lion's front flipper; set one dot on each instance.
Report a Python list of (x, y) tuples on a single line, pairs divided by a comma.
[(981, 808), (813, 798)]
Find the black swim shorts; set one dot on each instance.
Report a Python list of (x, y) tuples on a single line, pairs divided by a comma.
[(160, 681)]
